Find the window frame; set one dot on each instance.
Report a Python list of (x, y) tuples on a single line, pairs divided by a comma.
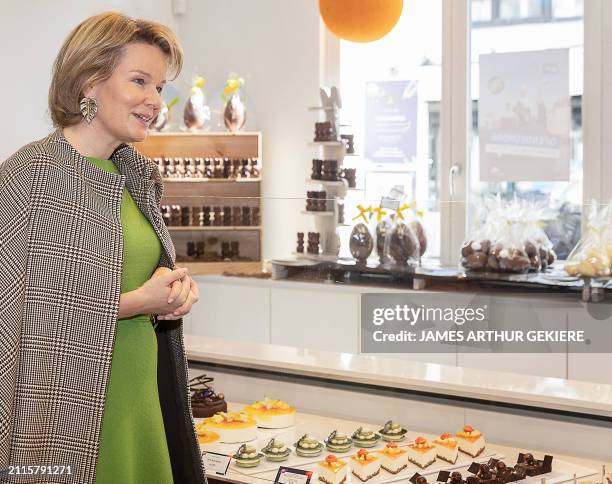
[(496, 21)]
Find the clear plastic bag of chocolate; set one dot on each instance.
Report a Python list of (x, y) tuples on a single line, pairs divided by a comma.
[(361, 240), (590, 257), (510, 239), (408, 214), (404, 246)]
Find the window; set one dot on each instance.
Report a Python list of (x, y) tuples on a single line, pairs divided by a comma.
[(564, 198), (409, 59)]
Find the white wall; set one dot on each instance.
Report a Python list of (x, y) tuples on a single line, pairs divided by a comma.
[(272, 43)]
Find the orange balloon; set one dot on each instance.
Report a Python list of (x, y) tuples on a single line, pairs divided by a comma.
[(360, 20)]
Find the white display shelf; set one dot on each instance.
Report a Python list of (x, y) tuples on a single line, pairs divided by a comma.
[(326, 183), (320, 214), (564, 467), (326, 143)]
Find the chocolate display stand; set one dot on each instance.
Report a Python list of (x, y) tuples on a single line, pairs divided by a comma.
[(204, 401), (326, 173)]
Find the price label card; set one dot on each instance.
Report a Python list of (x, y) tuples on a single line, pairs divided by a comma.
[(288, 475), (216, 463)]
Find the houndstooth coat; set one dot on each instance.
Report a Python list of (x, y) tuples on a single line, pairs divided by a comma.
[(61, 252)]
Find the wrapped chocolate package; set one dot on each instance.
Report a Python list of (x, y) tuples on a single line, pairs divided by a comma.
[(510, 239), (591, 256), (361, 243), (404, 244)]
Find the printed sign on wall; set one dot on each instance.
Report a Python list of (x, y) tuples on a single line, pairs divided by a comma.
[(524, 116), (390, 121)]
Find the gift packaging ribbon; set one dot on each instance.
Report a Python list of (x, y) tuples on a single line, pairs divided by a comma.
[(407, 206), (362, 212)]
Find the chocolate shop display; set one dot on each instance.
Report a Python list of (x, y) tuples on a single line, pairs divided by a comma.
[(326, 205), (325, 131), (215, 168), (208, 251), (206, 216), (316, 201)]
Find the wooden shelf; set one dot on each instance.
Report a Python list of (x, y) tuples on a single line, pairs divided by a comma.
[(211, 191), (218, 268), (220, 228), (192, 145)]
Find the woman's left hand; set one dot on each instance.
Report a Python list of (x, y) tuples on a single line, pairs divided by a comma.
[(192, 298)]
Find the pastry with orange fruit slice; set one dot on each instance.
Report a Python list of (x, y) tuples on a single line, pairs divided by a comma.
[(393, 459), (233, 427), (208, 440), (332, 470), (447, 448), (272, 414), (365, 465), (471, 441), (421, 452)]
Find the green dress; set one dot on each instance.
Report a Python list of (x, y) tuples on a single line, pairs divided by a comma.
[(133, 446)]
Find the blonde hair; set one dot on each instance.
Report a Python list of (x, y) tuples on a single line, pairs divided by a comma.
[(92, 51)]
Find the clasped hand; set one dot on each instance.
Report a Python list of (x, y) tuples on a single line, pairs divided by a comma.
[(170, 293)]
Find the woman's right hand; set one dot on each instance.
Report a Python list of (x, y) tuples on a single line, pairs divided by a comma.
[(155, 293)]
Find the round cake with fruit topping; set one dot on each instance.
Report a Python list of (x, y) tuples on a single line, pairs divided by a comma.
[(338, 442), (233, 427), (272, 414), (364, 437), (247, 456), (393, 432), (308, 447), (276, 451)]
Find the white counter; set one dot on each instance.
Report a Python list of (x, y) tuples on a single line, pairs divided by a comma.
[(531, 391), (321, 316)]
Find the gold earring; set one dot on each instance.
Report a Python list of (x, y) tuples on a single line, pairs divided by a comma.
[(89, 108)]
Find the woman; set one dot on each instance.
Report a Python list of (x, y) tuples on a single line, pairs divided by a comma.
[(89, 380)]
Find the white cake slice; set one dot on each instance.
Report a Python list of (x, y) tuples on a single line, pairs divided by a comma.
[(332, 470), (421, 453), (471, 441), (392, 458), (364, 465), (447, 448)]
